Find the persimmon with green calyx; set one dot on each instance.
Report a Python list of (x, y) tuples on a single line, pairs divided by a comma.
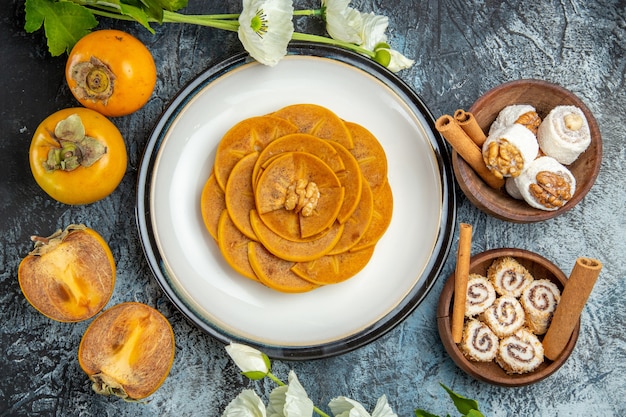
[(78, 156), (127, 351), (111, 71), (68, 276)]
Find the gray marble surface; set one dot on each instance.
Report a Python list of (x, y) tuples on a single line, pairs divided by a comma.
[(461, 50)]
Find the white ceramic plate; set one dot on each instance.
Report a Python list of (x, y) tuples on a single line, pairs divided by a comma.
[(332, 319)]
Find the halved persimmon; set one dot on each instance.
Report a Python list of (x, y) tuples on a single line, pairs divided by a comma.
[(69, 276), (350, 179), (127, 351)]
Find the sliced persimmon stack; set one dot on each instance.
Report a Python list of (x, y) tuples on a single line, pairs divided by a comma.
[(300, 204)]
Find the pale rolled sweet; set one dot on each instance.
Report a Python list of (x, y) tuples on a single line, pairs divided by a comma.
[(505, 316), (546, 184), (520, 353), (564, 134), (510, 186), (479, 342), (480, 295), (539, 300), (523, 114), (508, 276), (507, 151)]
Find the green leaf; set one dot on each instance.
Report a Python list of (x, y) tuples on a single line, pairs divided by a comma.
[(64, 23), (474, 413), (464, 405), (422, 413), (173, 5)]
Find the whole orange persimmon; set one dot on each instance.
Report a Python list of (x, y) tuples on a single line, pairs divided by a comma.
[(78, 156), (111, 71)]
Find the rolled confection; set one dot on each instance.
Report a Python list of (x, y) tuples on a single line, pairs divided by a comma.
[(520, 353), (523, 114), (507, 151), (510, 186), (508, 276), (505, 316), (539, 300), (564, 134), (479, 343), (546, 184), (480, 295)]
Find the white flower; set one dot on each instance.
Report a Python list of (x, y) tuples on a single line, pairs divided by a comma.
[(345, 407), (246, 404), (342, 22), (265, 29), (290, 400), (253, 363), (399, 61), (372, 30)]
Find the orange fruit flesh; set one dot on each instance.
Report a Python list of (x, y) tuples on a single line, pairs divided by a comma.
[(260, 235), (127, 351), (70, 278)]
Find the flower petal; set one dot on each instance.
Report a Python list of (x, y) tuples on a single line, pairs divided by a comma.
[(249, 360), (383, 409), (346, 407), (246, 404), (373, 30), (265, 29), (342, 22)]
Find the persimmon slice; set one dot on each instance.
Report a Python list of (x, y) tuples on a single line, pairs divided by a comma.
[(275, 272), (381, 219), (249, 135), (212, 203), (295, 251), (299, 142), (271, 194), (333, 269), (350, 179), (370, 155), (358, 223), (70, 275), (234, 246), (127, 351), (240, 196), (318, 121)]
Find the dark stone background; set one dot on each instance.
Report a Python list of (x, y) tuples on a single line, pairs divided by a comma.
[(461, 50)]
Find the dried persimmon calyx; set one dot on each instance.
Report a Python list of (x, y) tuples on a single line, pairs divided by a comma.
[(76, 148)]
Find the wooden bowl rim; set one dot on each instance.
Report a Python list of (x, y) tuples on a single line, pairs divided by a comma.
[(477, 191), (476, 369)]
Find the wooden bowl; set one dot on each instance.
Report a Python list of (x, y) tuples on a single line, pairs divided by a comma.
[(544, 96), (491, 372)]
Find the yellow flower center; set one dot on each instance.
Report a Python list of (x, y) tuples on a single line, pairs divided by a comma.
[(259, 23)]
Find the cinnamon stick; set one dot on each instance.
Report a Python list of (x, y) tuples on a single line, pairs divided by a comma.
[(469, 151), (468, 123), (461, 275), (573, 299)]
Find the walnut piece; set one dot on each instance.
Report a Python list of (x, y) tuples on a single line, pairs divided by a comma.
[(551, 190), (504, 159), (302, 197), (573, 121), (530, 120)]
